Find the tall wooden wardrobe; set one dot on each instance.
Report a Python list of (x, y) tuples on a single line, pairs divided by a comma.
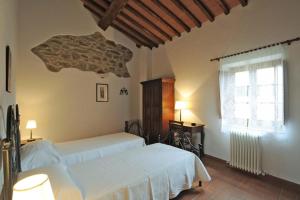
[(158, 107)]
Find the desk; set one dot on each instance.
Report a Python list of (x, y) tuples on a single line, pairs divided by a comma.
[(198, 128)]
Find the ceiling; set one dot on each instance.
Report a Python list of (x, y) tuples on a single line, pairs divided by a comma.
[(151, 23)]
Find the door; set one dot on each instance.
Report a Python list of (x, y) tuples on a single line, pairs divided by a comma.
[(152, 109)]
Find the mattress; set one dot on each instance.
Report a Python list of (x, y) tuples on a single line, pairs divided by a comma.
[(82, 150)]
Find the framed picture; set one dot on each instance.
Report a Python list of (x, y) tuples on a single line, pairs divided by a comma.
[(101, 92), (8, 69)]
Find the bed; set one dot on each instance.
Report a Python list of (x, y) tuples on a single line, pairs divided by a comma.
[(97, 147), (43, 152), (156, 171)]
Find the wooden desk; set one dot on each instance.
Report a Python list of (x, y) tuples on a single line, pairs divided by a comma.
[(198, 128)]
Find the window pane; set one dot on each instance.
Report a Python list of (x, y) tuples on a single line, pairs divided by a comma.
[(242, 111), (242, 78), (266, 112), (265, 76), (266, 94), (241, 94)]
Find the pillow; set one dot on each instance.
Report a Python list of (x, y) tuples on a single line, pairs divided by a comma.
[(61, 182), (39, 153)]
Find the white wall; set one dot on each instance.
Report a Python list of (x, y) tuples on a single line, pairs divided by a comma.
[(64, 103), (8, 25), (261, 22)]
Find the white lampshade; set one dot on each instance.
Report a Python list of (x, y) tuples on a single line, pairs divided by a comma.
[(179, 105), (31, 124), (36, 187)]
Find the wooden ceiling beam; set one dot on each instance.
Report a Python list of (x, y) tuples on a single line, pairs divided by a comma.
[(172, 15), (244, 2), (151, 12), (141, 27), (145, 19), (191, 15), (224, 6), (98, 11), (210, 16), (141, 34), (138, 42), (111, 13), (104, 4)]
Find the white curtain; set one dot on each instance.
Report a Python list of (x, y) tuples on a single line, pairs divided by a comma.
[(252, 91)]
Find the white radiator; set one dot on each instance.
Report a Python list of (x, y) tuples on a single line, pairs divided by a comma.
[(245, 152)]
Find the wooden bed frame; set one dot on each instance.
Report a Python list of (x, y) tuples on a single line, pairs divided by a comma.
[(135, 127)]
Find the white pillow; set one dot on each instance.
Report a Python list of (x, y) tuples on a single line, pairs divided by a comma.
[(40, 153), (62, 184)]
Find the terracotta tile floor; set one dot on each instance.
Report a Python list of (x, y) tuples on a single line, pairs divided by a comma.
[(232, 184)]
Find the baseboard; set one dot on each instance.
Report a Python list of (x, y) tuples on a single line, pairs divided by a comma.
[(267, 177)]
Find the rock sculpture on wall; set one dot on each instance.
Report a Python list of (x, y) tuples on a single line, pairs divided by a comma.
[(87, 53)]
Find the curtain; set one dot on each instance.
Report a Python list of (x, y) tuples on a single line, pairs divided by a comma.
[(252, 91)]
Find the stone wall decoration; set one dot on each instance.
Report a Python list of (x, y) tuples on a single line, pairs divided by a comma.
[(101, 92), (86, 53)]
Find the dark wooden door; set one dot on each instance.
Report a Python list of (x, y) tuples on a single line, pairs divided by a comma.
[(152, 105)]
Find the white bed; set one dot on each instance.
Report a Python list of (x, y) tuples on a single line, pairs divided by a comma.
[(157, 172), (43, 153), (78, 151)]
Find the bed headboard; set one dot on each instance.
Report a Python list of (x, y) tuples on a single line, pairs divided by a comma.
[(11, 151), (134, 127)]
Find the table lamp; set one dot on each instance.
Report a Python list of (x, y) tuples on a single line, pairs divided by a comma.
[(31, 124), (36, 187), (180, 105)]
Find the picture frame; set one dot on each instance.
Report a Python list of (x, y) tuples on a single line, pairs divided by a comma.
[(8, 69), (101, 92)]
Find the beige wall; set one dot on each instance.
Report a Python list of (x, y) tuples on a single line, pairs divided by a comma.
[(8, 25), (187, 57), (64, 103)]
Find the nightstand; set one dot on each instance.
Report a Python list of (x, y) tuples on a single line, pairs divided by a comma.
[(193, 129), (23, 142)]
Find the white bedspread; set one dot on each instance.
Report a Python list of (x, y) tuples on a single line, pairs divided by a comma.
[(157, 172), (78, 151)]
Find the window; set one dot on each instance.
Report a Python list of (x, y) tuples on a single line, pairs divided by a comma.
[(252, 95)]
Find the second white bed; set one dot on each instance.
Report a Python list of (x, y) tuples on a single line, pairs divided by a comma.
[(154, 172), (43, 153), (82, 150)]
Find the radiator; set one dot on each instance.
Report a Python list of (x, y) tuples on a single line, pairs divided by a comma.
[(245, 152)]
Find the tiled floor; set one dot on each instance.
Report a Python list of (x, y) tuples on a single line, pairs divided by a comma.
[(231, 184)]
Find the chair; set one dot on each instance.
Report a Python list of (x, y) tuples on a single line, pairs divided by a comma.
[(181, 139), (134, 127)]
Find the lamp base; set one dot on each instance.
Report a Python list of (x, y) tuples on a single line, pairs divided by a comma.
[(180, 115)]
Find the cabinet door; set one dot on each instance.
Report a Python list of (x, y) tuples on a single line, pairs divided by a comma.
[(152, 106), (167, 106)]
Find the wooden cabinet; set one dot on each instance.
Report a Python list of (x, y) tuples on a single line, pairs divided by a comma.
[(158, 107)]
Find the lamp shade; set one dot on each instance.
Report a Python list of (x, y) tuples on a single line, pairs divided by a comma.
[(36, 187), (31, 124), (179, 105)]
